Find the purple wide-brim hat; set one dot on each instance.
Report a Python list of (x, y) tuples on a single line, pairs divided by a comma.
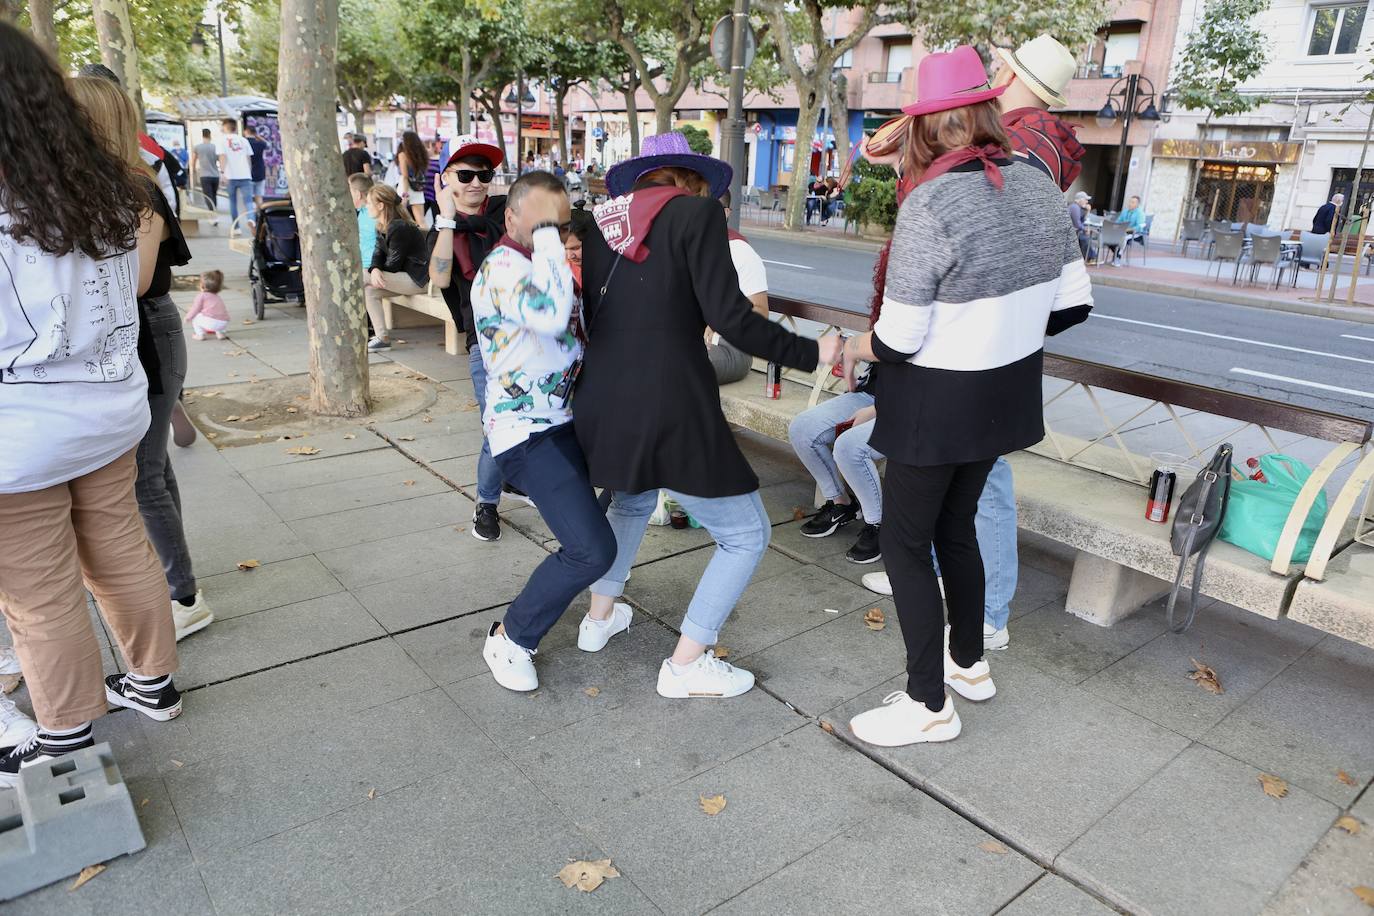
[(660, 151)]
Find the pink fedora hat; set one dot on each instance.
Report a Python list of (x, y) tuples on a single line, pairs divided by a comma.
[(952, 80)]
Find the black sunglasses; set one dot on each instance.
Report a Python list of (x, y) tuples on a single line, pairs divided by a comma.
[(465, 176)]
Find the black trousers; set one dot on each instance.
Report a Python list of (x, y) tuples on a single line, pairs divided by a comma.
[(924, 506), (210, 188)]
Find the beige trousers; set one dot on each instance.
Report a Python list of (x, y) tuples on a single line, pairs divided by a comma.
[(50, 541), (397, 284)]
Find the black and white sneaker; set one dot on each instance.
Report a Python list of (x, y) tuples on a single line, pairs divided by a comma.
[(517, 493), (486, 524), (160, 700), (829, 520), (37, 749), (865, 549)]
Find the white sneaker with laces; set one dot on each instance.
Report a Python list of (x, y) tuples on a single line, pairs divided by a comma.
[(708, 676), (879, 582), (971, 683), (994, 638), (592, 635), (901, 721), (511, 663), (15, 727), (191, 619), (9, 661)]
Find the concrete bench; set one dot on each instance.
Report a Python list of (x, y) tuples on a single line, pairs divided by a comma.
[(1096, 506), (432, 306)]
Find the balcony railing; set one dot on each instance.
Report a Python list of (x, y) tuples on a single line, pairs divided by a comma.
[(1093, 70), (894, 77)]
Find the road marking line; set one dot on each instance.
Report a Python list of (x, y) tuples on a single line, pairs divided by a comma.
[(1298, 381), (1358, 337), (787, 264), (1247, 340)]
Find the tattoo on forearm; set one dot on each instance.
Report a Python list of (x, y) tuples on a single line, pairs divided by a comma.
[(442, 265)]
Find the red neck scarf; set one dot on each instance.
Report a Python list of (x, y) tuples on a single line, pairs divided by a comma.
[(513, 245), (957, 157), (473, 231), (736, 237), (625, 221)]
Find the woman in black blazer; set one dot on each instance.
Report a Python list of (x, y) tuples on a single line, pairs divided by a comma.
[(647, 410)]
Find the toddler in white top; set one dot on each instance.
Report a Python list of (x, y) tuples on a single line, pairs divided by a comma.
[(208, 314)]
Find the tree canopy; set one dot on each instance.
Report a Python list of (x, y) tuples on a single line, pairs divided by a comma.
[(1223, 50)]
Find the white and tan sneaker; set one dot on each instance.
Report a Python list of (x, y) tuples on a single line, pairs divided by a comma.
[(592, 635), (994, 638), (191, 619), (901, 721), (708, 676), (511, 663), (971, 683)]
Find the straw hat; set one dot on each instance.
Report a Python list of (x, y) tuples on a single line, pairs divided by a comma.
[(1044, 65)]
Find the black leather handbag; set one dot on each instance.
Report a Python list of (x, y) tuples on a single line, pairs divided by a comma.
[(1196, 523)]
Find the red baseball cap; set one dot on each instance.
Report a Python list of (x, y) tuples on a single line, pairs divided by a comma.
[(468, 145)]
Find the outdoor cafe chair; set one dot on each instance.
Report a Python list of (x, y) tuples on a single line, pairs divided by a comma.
[(768, 202), (1265, 249), (1310, 253), (1227, 246), (1112, 234), (1193, 230)]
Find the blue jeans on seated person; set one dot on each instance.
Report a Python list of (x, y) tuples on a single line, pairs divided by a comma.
[(853, 460), (550, 467), (741, 530), (996, 525)]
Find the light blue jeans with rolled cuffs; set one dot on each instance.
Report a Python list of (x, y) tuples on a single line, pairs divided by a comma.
[(740, 528), (996, 524), (834, 460)]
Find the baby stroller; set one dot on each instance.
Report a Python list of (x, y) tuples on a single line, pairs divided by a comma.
[(275, 272)]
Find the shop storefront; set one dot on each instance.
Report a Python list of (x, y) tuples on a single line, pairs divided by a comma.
[(1242, 181)]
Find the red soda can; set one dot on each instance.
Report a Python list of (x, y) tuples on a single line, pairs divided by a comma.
[(772, 382), (1161, 495)]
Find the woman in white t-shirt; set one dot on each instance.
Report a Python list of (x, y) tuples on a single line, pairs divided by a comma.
[(73, 407)]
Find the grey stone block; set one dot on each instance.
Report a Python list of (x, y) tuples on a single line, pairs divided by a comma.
[(1199, 837), (1310, 723), (1053, 896), (782, 606), (1040, 762), (374, 523), (1341, 603), (461, 472), (341, 496), (917, 857), (1247, 651), (219, 549), (451, 592), (1103, 592), (362, 566), (270, 585), (67, 813)]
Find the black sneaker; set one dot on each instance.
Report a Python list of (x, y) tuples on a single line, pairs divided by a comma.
[(34, 751), (517, 493), (162, 704), (865, 549), (829, 520), (486, 524)]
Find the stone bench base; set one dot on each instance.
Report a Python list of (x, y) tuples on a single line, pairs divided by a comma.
[(434, 307)]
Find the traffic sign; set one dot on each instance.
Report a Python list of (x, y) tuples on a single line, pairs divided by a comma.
[(723, 37)]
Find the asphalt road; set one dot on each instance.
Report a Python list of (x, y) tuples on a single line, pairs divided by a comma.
[(1316, 362)]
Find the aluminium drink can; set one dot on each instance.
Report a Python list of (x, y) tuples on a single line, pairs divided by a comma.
[(772, 382), (1161, 494)]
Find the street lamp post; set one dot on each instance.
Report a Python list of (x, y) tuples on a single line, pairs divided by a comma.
[(1135, 102)]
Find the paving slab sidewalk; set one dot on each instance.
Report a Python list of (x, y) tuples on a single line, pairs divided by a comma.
[(344, 750)]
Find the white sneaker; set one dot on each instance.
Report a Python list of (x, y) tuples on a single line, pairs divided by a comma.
[(511, 664), (9, 661), (708, 676), (15, 727), (592, 635), (901, 721), (994, 638), (878, 582), (191, 619), (971, 683)]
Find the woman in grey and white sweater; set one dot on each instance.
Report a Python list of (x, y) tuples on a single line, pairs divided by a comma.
[(984, 264)]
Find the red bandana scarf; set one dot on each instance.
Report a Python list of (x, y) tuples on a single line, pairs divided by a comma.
[(472, 231), (625, 221)]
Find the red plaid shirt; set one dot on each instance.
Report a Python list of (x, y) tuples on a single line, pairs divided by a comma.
[(1046, 138)]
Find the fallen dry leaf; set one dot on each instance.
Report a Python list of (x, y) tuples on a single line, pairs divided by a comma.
[(350, 435), (827, 727), (248, 321), (144, 803), (587, 876), (407, 483), (233, 375), (1365, 894), (712, 805), (459, 528), (251, 416), (1273, 786), (874, 618), (1206, 677), (302, 398), (993, 846), (405, 438), (208, 394), (399, 340), (371, 794), (292, 410), (303, 450), (1346, 778), (470, 406), (9, 683), (212, 435), (721, 652), (1349, 824), (249, 564), (426, 419), (87, 873), (592, 691), (178, 764), (798, 513), (232, 418)]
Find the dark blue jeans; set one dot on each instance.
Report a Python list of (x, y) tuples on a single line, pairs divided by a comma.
[(550, 467)]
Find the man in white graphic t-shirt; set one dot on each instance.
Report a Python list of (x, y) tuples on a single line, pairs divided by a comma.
[(235, 167)]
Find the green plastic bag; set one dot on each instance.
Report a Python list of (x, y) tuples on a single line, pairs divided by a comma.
[(1257, 509)]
